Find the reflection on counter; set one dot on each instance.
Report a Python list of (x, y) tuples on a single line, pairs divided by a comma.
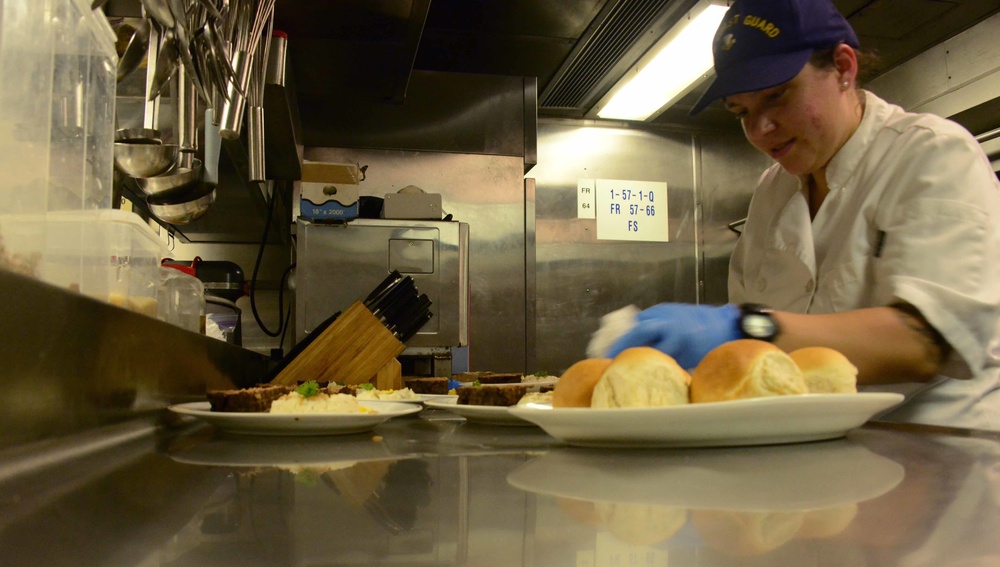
[(738, 503), (436, 491)]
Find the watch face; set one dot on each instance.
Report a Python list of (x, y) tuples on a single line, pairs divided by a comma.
[(759, 326)]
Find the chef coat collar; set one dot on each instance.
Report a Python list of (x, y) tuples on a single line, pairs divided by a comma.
[(846, 160)]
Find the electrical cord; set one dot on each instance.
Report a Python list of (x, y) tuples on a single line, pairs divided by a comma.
[(282, 320)]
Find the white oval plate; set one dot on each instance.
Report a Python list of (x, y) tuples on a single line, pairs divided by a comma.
[(756, 421), (297, 424), (490, 415)]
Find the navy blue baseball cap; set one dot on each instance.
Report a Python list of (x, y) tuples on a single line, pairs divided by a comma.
[(764, 43)]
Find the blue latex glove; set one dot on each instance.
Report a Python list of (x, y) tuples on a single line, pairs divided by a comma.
[(684, 331)]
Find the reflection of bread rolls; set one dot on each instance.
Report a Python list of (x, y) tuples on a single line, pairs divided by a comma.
[(641, 524), (827, 522), (826, 371), (582, 511), (575, 386), (745, 368), (746, 533), (641, 377)]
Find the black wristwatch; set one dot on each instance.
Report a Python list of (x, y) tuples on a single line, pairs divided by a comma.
[(757, 322)]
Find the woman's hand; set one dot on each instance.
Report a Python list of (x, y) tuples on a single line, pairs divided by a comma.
[(684, 331)]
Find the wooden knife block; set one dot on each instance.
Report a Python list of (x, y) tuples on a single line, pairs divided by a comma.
[(354, 349)]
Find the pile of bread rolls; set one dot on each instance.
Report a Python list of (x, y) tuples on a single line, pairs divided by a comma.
[(745, 368)]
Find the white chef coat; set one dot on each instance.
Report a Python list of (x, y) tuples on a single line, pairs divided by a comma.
[(913, 215)]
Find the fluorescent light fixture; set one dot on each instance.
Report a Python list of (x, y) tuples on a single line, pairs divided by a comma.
[(679, 61)]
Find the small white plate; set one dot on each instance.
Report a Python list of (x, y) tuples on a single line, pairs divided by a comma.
[(421, 399), (756, 421), (297, 424), (490, 415), (437, 397)]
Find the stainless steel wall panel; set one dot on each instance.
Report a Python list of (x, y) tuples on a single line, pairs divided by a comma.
[(729, 169), (579, 278)]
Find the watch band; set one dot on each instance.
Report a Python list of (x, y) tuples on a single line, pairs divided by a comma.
[(758, 322)]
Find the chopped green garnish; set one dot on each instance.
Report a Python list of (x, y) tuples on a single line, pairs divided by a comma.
[(541, 373), (476, 383), (308, 389), (308, 477), (366, 386)]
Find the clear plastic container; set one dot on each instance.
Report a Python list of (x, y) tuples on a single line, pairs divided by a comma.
[(181, 300), (57, 103), (110, 255), (57, 118), (57, 110)]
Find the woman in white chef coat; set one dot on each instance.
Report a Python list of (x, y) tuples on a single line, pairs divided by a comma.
[(875, 232)]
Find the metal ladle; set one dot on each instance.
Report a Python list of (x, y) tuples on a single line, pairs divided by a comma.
[(187, 172), (188, 208), (146, 157), (181, 195)]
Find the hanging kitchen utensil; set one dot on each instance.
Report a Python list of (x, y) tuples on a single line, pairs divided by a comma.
[(187, 118), (213, 146), (159, 10), (135, 51), (166, 64), (149, 157), (184, 22), (247, 22), (186, 209), (255, 109)]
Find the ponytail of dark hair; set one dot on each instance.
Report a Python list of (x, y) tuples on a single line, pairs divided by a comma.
[(869, 63)]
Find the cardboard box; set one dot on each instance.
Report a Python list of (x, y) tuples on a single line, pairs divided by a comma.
[(329, 191)]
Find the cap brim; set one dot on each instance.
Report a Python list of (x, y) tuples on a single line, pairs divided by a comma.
[(753, 75)]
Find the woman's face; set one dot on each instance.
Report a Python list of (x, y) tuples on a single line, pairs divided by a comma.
[(801, 123)]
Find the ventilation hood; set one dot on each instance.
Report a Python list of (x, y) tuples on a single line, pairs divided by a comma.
[(344, 50)]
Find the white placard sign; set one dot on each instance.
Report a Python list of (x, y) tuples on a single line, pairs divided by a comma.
[(586, 199), (632, 210)]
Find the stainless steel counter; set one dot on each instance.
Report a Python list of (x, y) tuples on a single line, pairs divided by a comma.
[(432, 489)]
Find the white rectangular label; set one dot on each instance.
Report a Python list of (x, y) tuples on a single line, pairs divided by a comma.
[(585, 199), (632, 210)]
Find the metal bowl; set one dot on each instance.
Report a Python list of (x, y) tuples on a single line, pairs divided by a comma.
[(184, 209), (138, 136), (144, 160), (176, 182)]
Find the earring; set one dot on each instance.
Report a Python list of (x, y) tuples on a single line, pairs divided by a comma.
[(844, 85)]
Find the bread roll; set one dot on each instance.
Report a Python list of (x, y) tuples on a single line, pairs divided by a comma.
[(745, 533), (745, 368), (641, 377), (827, 522), (576, 385), (641, 524), (826, 371)]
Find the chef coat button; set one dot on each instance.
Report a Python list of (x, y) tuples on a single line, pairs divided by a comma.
[(761, 284), (810, 286)]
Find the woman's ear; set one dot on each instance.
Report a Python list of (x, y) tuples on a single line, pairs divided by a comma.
[(845, 60)]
